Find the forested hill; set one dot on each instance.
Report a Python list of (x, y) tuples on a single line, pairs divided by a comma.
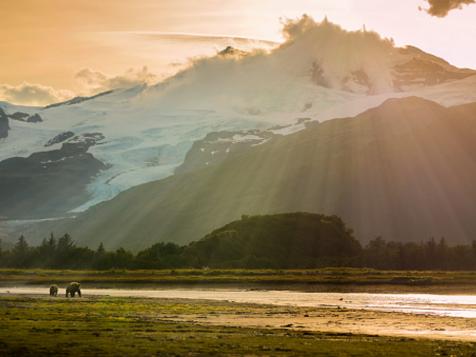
[(283, 240)]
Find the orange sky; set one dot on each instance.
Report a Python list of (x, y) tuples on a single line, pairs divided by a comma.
[(47, 42)]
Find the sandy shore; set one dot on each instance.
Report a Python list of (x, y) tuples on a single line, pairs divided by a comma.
[(349, 321)]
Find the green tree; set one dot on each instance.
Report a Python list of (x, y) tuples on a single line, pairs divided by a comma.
[(21, 253)]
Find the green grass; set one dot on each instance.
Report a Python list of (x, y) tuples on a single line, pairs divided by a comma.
[(126, 326), (286, 278)]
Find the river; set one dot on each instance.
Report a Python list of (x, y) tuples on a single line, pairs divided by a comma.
[(429, 304)]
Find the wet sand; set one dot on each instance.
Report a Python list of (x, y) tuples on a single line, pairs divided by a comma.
[(450, 317), (350, 321)]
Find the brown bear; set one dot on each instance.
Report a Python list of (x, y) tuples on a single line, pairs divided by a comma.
[(54, 290), (72, 289)]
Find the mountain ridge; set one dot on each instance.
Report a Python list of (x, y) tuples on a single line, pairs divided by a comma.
[(407, 180)]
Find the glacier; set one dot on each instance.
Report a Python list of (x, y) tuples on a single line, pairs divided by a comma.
[(320, 72)]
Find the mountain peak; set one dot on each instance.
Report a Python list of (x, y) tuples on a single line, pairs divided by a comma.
[(363, 61), (314, 58)]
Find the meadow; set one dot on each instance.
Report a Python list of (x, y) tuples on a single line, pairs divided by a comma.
[(34, 325), (317, 279)]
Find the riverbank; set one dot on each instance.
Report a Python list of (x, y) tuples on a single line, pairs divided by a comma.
[(36, 325), (329, 279)]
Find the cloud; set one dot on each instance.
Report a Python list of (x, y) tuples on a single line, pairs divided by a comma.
[(91, 82), (441, 8), (33, 94), (95, 81), (314, 55), (200, 38)]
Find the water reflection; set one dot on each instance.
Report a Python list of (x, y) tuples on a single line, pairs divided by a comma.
[(431, 304)]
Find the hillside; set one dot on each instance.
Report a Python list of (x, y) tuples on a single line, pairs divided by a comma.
[(294, 240), (404, 170)]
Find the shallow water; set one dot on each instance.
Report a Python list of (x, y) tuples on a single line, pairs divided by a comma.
[(431, 304)]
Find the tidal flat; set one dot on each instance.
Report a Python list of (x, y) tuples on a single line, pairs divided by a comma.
[(33, 325)]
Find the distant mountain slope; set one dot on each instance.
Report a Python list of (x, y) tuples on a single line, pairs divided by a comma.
[(320, 72), (49, 182), (404, 170)]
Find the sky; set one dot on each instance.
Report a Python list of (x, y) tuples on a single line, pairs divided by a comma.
[(52, 50)]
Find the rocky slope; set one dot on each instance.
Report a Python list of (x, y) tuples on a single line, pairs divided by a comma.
[(50, 182), (4, 124)]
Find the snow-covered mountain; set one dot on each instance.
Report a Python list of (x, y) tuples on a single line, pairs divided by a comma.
[(143, 133), (404, 170)]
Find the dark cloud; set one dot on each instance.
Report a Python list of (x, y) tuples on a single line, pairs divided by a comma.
[(440, 8)]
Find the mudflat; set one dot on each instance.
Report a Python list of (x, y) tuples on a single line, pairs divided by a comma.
[(104, 325)]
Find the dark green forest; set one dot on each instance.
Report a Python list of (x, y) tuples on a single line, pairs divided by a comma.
[(294, 240)]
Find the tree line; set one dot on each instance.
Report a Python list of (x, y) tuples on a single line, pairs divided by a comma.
[(63, 253)]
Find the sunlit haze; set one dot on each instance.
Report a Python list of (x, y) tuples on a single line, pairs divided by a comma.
[(46, 44), (238, 178)]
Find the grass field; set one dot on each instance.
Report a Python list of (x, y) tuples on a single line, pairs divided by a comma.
[(132, 326), (347, 278)]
